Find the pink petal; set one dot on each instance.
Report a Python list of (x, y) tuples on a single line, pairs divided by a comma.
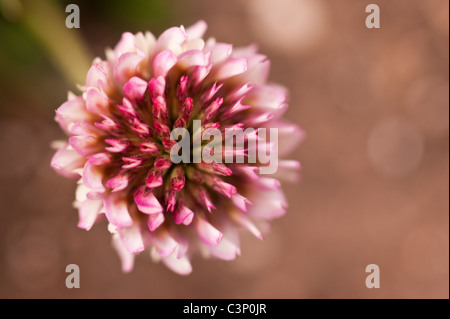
[(182, 91), (109, 125), (116, 209), (99, 159), (127, 110), (206, 201), (192, 58), (141, 129), (183, 215), (154, 179), (171, 39), (156, 86), (181, 266), (145, 42), (225, 250), (125, 68), (70, 112), (268, 183), (97, 78), (199, 74), (149, 148), (147, 202), (258, 65), (207, 232), (163, 62), (155, 220), (240, 202), (118, 182), (66, 161), (162, 163), (88, 211), (266, 97), (183, 245), (210, 93), (135, 89), (231, 67), (267, 204), (220, 52), (288, 170), (85, 145), (97, 102), (238, 93), (126, 258), (132, 161), (223, 187), (117, 146), (126, 44), (197, 30), (164, 243), (132, 238), (236, 108), (221, 169), (289, 136), (245, 222), (92, 177)]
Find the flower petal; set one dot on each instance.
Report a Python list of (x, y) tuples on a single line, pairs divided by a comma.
[(66, 161), (88, 211), (266, 97), (240, 202), (245, 222), (126, 67), (135, 89), (230, 67), (183, 215), (192, 58), (155, 220), (171, 39), (92, 177), (267, 204), (220, 52), (132, 238), (116, 209), (126, 44), (97, 77), (225, 250), (164, 243), (147, 202), (163, 62), (126, 258), (181, 266), (71, 112), (196, 30), (207, 232)]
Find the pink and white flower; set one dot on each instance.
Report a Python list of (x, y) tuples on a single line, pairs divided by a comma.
[(119, 145)]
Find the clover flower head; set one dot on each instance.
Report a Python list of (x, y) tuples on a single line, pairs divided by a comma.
[(119, 146)]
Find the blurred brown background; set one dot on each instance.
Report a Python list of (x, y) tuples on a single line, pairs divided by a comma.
[(375, 180)]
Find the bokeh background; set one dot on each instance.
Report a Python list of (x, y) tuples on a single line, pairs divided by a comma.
[(375, 179)]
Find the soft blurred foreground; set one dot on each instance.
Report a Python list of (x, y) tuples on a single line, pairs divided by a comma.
[(375, 179)]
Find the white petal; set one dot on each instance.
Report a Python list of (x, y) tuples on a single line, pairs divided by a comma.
[(132, 238), (88, 211), (116, 210), (126, 258), (197, 30), (181, 266), (66, 161), (207, 232)]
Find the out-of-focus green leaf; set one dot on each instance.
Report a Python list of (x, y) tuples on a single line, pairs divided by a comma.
[(18, 49), (138, 11)]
